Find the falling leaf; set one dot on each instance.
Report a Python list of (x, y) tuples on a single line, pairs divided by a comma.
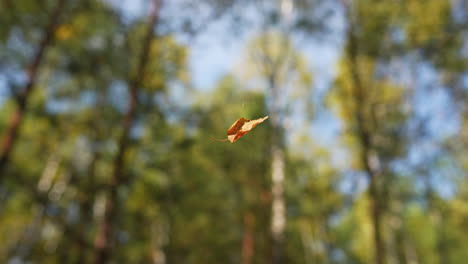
[(241, 127)]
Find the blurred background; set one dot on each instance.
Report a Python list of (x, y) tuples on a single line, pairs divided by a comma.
[(107, 108)]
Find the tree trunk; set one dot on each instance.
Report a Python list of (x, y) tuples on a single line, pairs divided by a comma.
[(248, 239), (278, 206), (278, 217), (368, 159), (102, 247), (32, 70), (400, 244), (377, 217)]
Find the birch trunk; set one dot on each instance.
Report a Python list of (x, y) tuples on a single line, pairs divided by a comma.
[(278, 216), (278, 206)]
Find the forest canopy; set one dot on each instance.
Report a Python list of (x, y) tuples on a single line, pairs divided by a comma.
[(356, 113)]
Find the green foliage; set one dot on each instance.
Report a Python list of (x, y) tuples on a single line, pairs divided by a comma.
[(185, 198)]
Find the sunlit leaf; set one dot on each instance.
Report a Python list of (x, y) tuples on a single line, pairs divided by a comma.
[(241, 127)]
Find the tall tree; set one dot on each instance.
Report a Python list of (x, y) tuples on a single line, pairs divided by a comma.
[(281, 67), (104, 235), (366, 155), (12, 131), (437, 30), (362, 93)]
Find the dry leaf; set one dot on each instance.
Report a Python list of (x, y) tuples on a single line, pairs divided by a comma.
[(241, 127)]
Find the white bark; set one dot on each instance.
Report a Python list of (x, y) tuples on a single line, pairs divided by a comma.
[(278, 217)]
